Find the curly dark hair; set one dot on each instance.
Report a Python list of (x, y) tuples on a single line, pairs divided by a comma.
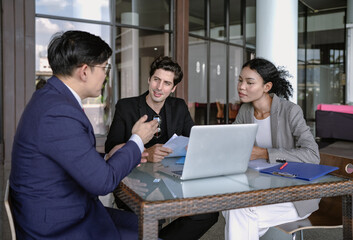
[(270, 73), (167, 64)]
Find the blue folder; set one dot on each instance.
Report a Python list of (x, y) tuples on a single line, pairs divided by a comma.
[(304, 171)]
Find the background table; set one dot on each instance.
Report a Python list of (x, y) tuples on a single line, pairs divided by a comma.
[(153, 195)]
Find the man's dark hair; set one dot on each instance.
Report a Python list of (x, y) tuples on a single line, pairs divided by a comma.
[(72, 49), (167, 64)]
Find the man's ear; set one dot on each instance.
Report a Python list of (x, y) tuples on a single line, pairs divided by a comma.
[(268, 86), (83, 72), (173, 89)]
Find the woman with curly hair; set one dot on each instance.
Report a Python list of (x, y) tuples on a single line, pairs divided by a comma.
[(282, 135)]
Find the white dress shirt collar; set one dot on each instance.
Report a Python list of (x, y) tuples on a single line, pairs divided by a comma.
[(75, 95)]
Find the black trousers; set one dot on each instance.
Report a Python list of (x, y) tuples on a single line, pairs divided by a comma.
[(182, 228), (189, 228)]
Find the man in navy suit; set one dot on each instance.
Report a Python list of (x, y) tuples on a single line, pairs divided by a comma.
[(56, 171), (174, 117)]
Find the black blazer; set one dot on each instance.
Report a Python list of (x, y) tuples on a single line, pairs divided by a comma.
[(129, 110)]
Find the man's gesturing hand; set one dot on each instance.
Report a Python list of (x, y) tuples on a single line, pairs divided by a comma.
[(144, 129)]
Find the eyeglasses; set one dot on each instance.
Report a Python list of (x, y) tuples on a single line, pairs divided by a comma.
[(106, 68), (159, 120)]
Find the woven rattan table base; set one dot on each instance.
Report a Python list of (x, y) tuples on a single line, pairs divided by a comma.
[(149, 212)]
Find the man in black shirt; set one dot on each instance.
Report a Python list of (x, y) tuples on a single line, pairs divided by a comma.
[(174, 117), (173, 112)]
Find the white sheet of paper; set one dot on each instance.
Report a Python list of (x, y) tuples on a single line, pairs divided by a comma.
[(260, 164), (178, 145)]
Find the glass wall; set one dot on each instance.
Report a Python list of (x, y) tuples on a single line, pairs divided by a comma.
[(235, 22), (198, 69), (235, 64), (218, 82), (136, 49), (142, 13), (60, 16), (217, 21), (250, 29), (88, 9), (197, 17), (216, 46), (221, 38), (143, 32), (321, 59), (137, 30)]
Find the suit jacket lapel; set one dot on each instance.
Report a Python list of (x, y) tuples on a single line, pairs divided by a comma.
[(274, 120), (63, 89), (250, 116)]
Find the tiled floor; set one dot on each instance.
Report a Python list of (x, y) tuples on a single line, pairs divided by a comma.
[(217, 233)]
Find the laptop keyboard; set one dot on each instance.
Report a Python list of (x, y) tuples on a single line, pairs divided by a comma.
[(179, 172)]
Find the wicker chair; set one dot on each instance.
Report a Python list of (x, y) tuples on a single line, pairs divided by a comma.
[(9, 211), (328, 216)]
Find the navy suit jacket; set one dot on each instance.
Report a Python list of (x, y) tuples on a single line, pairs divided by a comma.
[(129, 110), (57, 173)]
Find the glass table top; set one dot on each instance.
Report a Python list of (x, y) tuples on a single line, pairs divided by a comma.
[(152, 185)]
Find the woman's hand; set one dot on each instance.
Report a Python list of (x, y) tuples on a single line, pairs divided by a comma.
[(258, 153)]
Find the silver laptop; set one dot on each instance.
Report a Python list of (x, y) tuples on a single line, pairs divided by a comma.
[(216, 150)]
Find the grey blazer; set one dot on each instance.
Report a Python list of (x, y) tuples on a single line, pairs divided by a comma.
[(291, 139)]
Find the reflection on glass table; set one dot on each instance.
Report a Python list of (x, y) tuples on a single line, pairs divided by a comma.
[(153, 195), (152, 185)]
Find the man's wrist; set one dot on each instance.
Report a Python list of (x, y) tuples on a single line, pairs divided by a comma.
[(136, 138)]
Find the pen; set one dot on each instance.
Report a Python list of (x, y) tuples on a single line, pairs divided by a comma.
[(285, 164)]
